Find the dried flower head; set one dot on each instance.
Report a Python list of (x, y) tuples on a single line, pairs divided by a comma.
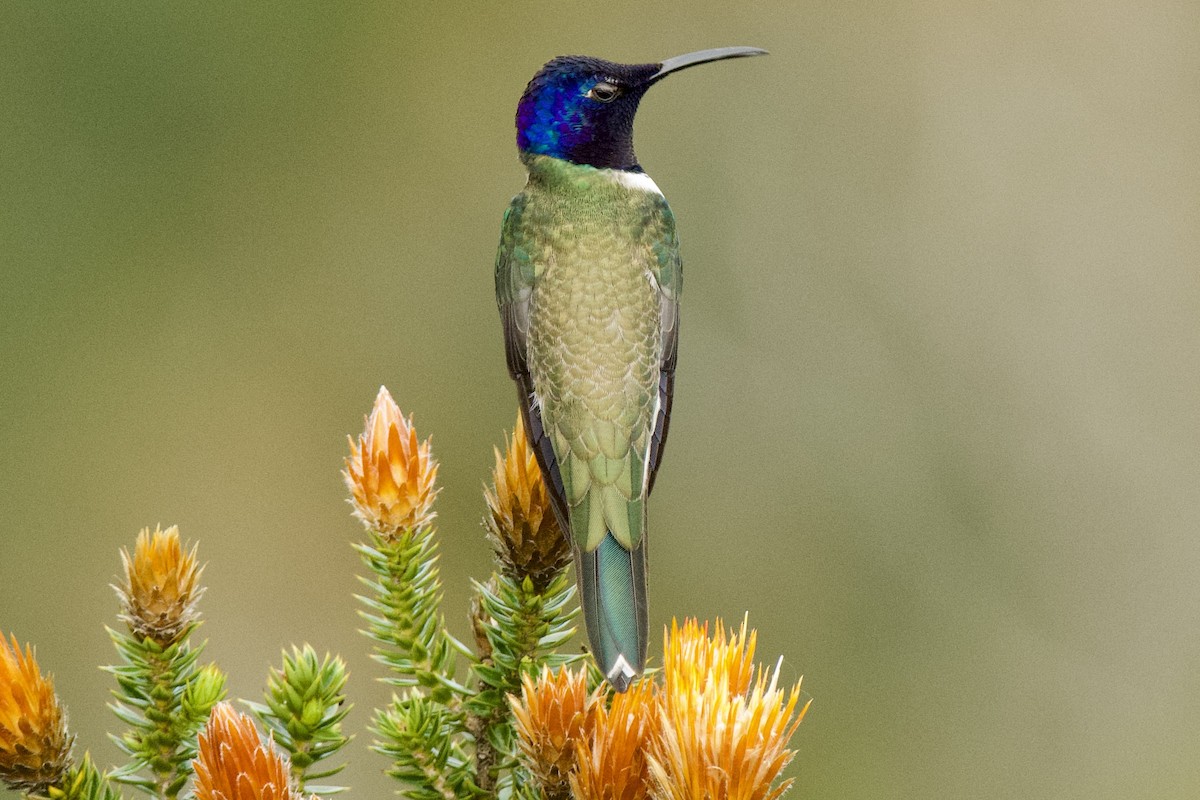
[(35, 747), (480, 620), (162, 586), (521, 523), (612, 762), (553, 714), (235, 764), (390, 475), (715, 740)]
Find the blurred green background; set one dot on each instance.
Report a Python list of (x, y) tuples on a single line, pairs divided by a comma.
[(936, 426)]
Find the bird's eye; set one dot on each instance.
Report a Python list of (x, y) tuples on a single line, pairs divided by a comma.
[(604, 92)]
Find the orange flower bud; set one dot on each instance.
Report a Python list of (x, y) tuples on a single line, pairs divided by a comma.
[(553, 714), (521, 523), (162, 586), (235, 764), (613, 762), (35, 747), (390, 475)]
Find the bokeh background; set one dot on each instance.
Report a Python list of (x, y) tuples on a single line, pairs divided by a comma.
[(936, 426)]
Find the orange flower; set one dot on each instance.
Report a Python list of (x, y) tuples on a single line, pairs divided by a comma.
[(720, 737), (390, 475), (612, 762), (521, 524), (35, 747), (553, 714), (690, 656), (162, 586), (235, 764)]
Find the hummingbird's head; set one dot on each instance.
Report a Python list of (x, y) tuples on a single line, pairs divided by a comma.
[(581, 109)]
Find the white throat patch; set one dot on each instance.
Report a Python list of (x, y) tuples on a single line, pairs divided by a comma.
[(633, 180)]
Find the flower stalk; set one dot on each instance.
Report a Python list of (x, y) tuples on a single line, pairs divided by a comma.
[(520, 629), (391, 477), (162, 695), (524, 613)]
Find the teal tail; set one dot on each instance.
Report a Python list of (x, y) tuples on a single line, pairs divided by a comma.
[(612, 582)]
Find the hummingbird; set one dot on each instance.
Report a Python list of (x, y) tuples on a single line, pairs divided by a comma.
[(588, 277)]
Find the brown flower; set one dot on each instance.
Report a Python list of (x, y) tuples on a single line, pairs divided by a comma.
[(553, 714), (390, 475), (235, 764), (721, 737), (35, 747), (162, 586), (612, 762), (521, 523)]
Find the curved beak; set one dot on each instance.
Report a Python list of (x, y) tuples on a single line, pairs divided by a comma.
[(703, 57)]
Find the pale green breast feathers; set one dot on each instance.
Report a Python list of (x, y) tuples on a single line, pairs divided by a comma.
[(588, 276)]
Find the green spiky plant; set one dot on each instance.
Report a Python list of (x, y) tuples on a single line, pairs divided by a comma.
[(304, 705), (161, 694), (511, 715), (165, 699), (448, 731), (83, 782)]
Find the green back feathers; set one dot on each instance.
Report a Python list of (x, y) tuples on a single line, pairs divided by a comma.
[(585, 260), (587, 280)]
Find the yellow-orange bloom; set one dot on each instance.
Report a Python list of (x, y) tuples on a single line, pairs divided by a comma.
[(35, 747), (521, 524), (690, 656), (613, 762), (235, 764), (390, 475), (554, 713), (162, 586), (719, 740)]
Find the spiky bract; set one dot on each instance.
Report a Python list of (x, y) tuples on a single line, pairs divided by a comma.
[(83, 782), (420, 736), (304, 709), (690, 654)]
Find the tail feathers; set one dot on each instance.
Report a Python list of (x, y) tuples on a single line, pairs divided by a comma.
[(612, 581)]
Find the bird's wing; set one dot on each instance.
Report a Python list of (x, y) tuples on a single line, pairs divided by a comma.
[(515, 278), (667, 268)]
